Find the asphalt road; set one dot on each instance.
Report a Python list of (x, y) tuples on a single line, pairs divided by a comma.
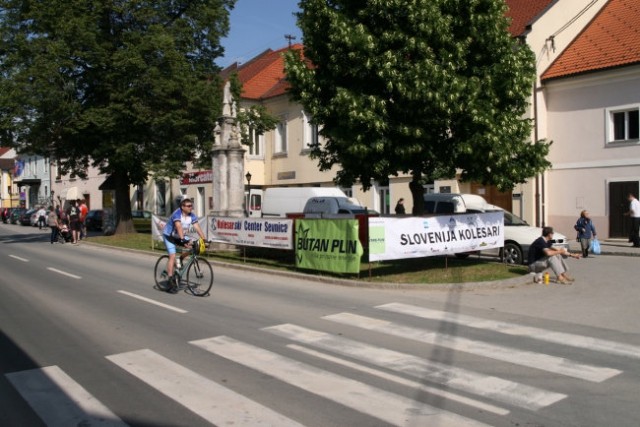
[(86, 340)]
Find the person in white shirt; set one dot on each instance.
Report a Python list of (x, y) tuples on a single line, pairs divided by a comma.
[(634, 213), (42, 217)]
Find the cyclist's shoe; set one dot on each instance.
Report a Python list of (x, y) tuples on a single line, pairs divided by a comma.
[(173, 286)]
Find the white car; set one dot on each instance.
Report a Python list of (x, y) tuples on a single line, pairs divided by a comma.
[(518, 236)]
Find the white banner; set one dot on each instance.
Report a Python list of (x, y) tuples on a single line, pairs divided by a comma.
[(267, 233), (158, 223), (157, 226), (415, 237)]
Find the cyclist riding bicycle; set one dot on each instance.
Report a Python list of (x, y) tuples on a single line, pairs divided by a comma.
[(174, 233)]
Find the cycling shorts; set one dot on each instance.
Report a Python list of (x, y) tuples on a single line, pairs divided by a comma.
[(170, 243)]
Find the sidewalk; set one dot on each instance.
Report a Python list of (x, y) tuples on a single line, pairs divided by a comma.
[(610, 247)]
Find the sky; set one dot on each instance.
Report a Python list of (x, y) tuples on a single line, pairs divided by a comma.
[(257, 25)]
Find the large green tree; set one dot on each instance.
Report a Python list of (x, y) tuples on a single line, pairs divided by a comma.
[(424, 87), (128, 86)]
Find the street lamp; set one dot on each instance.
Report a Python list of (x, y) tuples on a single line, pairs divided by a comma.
[(248, 176)]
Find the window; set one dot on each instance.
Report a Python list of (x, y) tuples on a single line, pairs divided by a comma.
[(310, 132), (200, 202), (256, 148), (161, 190), (255, 203), (623, 124), (384, 203), (281, 137)]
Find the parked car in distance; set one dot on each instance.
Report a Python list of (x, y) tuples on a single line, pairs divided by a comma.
[(5, 213), (15, 215), (33, 219), (25, 217), (142, 221), (518, 236), (93, 221)]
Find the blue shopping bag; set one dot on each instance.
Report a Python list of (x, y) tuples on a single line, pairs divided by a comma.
[(595, 246)]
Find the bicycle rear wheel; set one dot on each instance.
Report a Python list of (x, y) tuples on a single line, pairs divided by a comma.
[(160, 273), (200, 277)]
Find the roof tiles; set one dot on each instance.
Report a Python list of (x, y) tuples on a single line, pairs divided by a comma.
[(523, 12), (612, 39), (263, 76)]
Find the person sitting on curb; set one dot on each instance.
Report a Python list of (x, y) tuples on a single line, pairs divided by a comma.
[(543, 255)]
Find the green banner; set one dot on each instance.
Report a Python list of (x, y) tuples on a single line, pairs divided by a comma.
[(328, 245)]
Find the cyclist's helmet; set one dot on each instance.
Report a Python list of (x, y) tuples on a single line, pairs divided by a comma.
[(199, 247)]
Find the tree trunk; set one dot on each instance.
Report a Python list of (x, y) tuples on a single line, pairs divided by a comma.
[(417, 192), (124, 223)]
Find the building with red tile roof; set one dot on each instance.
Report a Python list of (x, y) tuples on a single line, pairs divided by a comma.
[(524, 12), (263, 76), (592, 114), (611, 40)]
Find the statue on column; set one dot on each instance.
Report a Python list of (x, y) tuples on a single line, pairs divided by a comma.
[(228, 103), (228, 161)]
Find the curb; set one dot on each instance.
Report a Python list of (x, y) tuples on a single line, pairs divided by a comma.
[(449, 287)]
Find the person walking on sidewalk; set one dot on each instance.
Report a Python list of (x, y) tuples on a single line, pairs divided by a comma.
[(54, 223), (73, 213), (543, 255), (42, 217), (586, 232), (634, 213), (84, 210)]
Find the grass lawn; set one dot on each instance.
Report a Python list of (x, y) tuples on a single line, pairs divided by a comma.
[(416, 270)]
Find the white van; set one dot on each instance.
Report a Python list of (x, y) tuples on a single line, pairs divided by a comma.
[(279, 201), (321, 206), (448, 203)]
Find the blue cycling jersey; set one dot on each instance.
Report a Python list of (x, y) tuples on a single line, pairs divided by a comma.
[(186, 220)]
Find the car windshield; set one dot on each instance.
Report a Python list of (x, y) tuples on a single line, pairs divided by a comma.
[(511, 219)]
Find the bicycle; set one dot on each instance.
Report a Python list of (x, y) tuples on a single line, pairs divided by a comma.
[(196, 273)]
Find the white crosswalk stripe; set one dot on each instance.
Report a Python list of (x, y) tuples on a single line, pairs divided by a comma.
[(545, 362), (392, 408), (572, 340), (490, 387), (409, 383), (210, 400), (59, 400)]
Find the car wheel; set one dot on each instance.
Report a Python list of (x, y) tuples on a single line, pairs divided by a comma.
[(512, 254)]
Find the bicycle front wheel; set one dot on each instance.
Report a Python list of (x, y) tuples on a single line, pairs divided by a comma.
[(160, 273), (200, 277)]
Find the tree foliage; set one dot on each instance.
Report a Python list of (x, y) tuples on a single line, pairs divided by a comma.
[(124, 85), (425, 87)]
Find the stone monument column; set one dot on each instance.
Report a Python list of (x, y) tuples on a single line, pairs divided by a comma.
[(228, 162)]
